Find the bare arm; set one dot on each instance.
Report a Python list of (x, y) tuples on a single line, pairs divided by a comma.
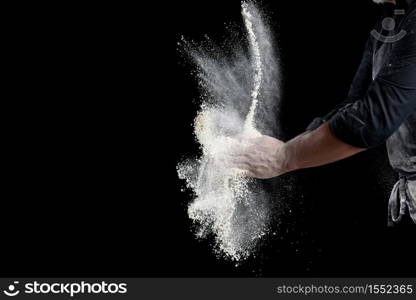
[(266, 157), (314, 148)]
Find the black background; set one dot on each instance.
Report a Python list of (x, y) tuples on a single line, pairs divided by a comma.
[(99, 110)]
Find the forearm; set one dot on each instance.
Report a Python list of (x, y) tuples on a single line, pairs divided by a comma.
[(314, 148)]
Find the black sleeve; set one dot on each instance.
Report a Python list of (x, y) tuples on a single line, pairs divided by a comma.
[(388, 102), (359, 86)]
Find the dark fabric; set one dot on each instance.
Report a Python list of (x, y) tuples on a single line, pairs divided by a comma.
[(381, 107), (390, 98), (315, 124)]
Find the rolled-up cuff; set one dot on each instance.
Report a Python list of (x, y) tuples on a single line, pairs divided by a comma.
[(348, 129), (315, 124)]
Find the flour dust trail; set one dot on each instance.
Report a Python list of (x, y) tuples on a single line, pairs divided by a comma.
[(240, 93)]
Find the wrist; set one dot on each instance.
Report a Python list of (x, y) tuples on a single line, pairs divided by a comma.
[(285, 162)]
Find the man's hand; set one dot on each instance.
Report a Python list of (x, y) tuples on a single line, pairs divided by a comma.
[(260, 157)]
